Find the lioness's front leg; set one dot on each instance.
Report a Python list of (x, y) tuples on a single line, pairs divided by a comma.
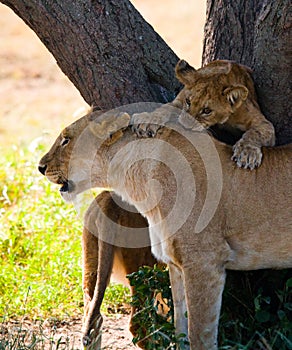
[(204, 284), (179, 300)]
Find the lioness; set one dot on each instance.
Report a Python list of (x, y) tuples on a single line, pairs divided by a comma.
[(101, 258), (250, 228), (222, 92)]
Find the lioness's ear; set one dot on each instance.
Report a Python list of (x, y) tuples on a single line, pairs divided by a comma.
[(110, 124), (184, 72), (236, 95)]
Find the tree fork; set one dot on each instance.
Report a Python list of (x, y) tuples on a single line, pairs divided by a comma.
[(108, 51)]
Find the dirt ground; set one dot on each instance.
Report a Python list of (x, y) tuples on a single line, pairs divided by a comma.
[(66, 333), (37, 100)]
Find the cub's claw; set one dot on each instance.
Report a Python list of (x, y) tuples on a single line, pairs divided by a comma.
[(143, 129), (247, 156)]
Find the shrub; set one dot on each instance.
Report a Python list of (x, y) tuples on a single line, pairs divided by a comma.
[(153, 319), (256, 310)]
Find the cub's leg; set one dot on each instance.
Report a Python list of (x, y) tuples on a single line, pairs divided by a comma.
[(148, 124), (247, 151), (204, 284)]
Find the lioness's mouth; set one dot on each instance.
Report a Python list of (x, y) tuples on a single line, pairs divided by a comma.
[(67, 186)]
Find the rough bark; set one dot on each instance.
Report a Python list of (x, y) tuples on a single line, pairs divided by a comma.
[(105, 47), (272, 65), (256, 33)]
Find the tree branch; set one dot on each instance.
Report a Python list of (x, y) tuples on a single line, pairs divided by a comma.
[(105, 48)]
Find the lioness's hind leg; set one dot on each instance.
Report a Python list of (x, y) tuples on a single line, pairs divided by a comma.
[(93, 321), (90, 266)]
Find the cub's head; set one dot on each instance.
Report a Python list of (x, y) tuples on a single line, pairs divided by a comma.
[(75, 161), (215, 92)]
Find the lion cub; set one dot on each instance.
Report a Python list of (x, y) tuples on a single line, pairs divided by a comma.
[(222, 92)]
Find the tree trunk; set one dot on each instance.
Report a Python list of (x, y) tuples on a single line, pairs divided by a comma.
[(256, 33), (105, 47)]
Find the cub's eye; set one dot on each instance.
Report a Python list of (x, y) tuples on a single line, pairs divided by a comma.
[(206, 111), (65, 141), (188, 102)]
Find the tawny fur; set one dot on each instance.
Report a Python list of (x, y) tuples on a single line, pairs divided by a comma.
[(220, 93), (251, 228), (103, 261)]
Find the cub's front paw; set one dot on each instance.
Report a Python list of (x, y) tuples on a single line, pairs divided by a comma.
[(145, 125), (247, 156)]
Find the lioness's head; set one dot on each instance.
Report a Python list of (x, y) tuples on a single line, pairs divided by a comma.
[(215, 92), (75, 161)]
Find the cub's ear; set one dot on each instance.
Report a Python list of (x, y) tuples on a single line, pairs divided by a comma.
[(236, 95), (109, 123), (184, 72)]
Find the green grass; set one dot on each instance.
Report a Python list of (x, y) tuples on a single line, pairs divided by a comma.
[(40, 243)]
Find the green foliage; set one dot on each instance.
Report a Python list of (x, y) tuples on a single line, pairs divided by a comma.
[(153, 325), (116, 299), (40, 250), (39, 242), (256, 311)]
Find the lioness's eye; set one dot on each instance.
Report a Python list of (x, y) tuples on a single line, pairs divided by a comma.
[(65, 141), (206, 110)]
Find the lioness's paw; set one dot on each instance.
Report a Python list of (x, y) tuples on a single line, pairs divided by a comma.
[(143, 129), (246, 155)]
